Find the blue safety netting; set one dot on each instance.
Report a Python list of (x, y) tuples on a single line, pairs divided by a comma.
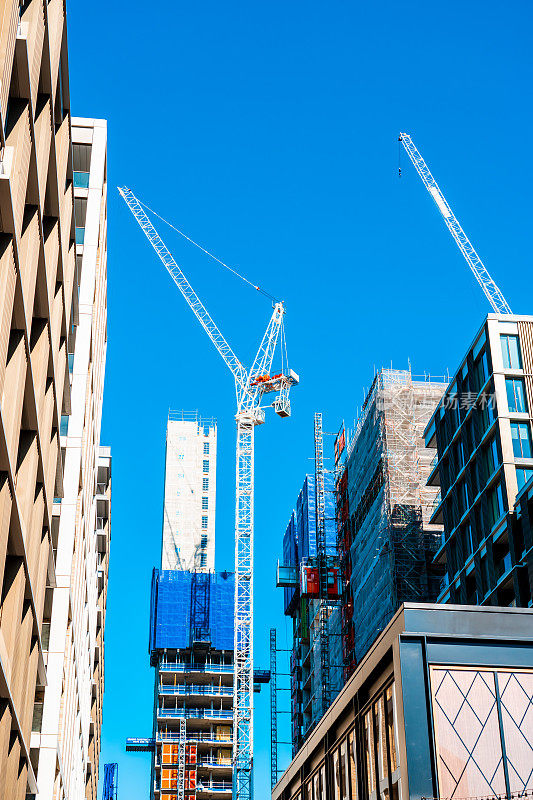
[(299, 541), (170, 609)]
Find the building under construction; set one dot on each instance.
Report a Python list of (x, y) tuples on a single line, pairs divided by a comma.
[(313, 687), (191, 646), (191, 629), (386, 543)]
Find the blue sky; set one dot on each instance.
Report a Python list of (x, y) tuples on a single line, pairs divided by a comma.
[(268, 132)]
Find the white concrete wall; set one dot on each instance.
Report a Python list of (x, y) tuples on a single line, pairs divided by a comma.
[(184, 491)]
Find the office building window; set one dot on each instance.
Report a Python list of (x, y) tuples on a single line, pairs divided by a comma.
[(522, 476), (495, 504), (203, 559), (516, 400), (521, 437), (181, 456), (462, 496), (468, 544), (205, 484), (206, 466), (511, 352), (481, 371), (487, 412), (206, 448), (204, 503), (204, 523)]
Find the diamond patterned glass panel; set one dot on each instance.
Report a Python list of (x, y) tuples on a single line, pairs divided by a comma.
[(516, 697), (467, 733)]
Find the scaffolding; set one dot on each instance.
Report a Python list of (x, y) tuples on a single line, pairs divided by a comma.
[(387, 543), (181, 758), (200, 632), (110, 790)]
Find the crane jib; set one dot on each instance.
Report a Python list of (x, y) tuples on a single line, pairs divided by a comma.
[(480, 272)]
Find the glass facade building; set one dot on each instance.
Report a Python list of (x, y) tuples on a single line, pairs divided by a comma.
[(482, 434)]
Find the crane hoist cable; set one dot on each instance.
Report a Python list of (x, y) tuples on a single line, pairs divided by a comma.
[(203, 249)]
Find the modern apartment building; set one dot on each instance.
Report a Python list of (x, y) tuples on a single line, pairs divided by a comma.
[(482, 433), (299, 577), (65, 741), (190, 493), (46, 506), (440, 706), (386, 538)]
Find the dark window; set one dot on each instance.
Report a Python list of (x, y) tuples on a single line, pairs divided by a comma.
[(522, 476), (495, 503), (481, 371)]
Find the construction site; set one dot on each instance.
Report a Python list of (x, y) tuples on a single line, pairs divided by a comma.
[(386, 542), (360, 546)]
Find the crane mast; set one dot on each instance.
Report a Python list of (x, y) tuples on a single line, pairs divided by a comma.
[(250, 387), (481, 274)]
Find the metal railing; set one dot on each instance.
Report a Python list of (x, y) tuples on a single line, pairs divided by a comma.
[(195, 713), (197, 736), (211, 762), (191, 688), (181, 666), (214, 786)]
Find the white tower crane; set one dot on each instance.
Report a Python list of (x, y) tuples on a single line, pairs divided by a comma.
[(250, 386), (481, 274)]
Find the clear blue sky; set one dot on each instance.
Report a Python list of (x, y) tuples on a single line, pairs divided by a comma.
[(267, 131)]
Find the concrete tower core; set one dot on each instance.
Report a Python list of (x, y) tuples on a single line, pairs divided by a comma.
[(190, 493)]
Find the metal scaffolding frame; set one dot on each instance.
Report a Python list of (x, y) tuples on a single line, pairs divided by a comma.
[(389, 522), (200, 593), (181, 758), (110, 790), (273, 710)]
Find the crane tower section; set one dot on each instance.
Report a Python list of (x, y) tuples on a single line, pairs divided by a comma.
[(251, 386), (490, 289)]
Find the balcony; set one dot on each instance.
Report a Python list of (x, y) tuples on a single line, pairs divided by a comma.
[(214, 786), (194, 713), (180, 666), (210, 763), (191, 689), (197, 736)]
